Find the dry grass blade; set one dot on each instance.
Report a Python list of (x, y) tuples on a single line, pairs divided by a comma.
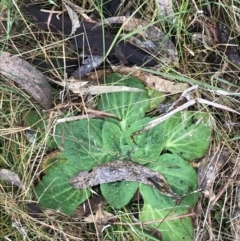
[(172, 110), (82, 88)]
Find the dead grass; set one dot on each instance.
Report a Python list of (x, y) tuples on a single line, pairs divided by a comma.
[(217, 211)]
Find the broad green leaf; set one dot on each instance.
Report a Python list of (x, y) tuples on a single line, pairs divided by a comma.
[(126, 152), (180, 176), (82, 143), (127, 106), (169, 222), (84, 148), (187, 134), (146, 146), (119, 194), (137, 125), (155, 97), (33, 119), (111, 135), (56, 192), (38, 122), (121, 80)]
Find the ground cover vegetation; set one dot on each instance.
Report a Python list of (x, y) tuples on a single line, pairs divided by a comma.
[(137, 160)]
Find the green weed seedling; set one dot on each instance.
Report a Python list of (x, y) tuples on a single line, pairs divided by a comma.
[(168, 148)]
